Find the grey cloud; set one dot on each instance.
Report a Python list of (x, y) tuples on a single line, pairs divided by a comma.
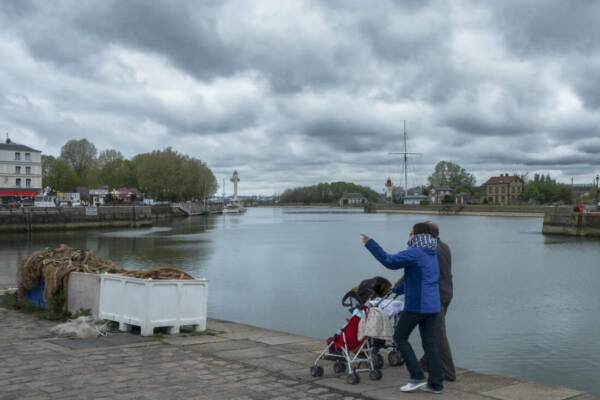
[(333, 91), (548, 27), (589, 146), (481, 125)]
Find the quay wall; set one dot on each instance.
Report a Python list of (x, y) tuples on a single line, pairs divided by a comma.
[(67, 218), (563, 221), (456, 209)]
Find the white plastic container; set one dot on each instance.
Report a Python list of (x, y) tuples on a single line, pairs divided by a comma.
[(151, 303)]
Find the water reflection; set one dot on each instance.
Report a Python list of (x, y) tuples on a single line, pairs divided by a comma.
[(180, 242), (524, 303)]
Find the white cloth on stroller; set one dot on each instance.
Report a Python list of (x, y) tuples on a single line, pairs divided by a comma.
[(375, 324), (391, 307)]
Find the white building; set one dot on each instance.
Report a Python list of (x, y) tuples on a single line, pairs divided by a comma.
[(414, 199), (20, 171), (437, 194), (352, 199)]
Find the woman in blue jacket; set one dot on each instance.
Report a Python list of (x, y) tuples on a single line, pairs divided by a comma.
[(421, 303)]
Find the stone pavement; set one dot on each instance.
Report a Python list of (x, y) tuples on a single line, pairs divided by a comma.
[(231, 361)]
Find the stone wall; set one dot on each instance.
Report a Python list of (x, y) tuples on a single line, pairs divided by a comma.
[(65, 218), (563, 221), (456, 208)]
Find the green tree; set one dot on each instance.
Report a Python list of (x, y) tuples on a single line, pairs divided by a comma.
[(107, 156), (168, 175), (58, 175), (118, 173), (449, 174), (81, 156), (544, 189), (326, 193)]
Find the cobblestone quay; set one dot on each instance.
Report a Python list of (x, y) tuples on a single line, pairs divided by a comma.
[(231, 361)]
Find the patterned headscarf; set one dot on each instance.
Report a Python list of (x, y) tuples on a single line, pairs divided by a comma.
[(423, 240)]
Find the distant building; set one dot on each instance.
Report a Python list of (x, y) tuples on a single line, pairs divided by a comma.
[(462, 198), (437, 194), (98, 195), (20, 172), (352, 199), (414, 198), (503, 189), (127, 194)]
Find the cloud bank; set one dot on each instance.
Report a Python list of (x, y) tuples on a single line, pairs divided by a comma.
[(296, 93)]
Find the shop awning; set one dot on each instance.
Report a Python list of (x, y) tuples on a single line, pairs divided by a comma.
[(17, 193)]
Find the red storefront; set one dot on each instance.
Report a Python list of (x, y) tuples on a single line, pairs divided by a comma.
[(10, 195)]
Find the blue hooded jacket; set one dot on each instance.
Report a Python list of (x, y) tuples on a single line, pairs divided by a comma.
[(421, 273)]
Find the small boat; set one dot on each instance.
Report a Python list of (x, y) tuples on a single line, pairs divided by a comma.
[(234, 208)]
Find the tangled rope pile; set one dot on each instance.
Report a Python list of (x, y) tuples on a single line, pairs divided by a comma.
[(55, 265), (159, 273)]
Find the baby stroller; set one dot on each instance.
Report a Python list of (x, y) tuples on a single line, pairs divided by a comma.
[(344, 348)]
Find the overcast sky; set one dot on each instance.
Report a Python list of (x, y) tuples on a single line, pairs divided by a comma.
[(294, 93)]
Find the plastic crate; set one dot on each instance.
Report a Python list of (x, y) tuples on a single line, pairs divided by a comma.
[(152, 304)]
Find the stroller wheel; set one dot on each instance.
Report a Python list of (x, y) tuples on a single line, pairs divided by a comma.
[(395, 359), (378, 361), (352, 378), (375, 375), (338, 367), (316, 371)]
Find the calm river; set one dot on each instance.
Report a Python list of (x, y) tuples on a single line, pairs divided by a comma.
[(525, 305)]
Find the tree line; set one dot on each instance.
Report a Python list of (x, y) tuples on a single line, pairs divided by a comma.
[(161, 174), (326, 193), (541, 189)]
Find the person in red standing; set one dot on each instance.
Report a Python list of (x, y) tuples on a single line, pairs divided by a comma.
[(581, 208)]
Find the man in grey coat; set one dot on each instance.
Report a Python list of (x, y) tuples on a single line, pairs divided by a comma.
[(445, 284)]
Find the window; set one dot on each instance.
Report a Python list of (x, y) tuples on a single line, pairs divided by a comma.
[(18, 182), (496, 189), (503, 190), (27, 170), (17, 156), (27, 156), (18, 170), (28, 183)]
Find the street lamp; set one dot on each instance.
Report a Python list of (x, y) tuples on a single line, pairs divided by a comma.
[(597, 179)]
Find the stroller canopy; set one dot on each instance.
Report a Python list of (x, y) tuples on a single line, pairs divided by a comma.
[(366, 290)]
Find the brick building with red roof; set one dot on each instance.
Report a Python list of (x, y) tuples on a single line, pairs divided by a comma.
[(503, 189)]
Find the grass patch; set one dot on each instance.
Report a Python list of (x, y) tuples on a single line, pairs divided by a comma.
[(53, 313)]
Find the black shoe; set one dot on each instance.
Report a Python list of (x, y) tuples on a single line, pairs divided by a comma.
[(429, 389), (449, 379)]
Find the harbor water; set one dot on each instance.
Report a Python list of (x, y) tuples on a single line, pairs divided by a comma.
[(525, 305)]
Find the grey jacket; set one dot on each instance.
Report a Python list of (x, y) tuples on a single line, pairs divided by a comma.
[(445, 279)]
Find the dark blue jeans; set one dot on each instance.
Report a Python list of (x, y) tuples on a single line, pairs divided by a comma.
[(427, 324)]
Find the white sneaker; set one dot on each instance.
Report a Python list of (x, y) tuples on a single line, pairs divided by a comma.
[(414, 384)]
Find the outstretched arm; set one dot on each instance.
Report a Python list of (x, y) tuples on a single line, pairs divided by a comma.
[(391, 261)]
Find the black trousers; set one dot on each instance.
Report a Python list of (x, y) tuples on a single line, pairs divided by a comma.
[(427, 327), (441, 341)]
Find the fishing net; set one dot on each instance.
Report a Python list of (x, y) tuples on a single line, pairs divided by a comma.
[(159, 273), (54, 266)]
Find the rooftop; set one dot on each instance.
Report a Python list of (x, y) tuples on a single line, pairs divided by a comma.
[(10, 145), (494, 180)]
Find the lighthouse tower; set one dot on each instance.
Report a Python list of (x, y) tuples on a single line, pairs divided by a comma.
[(235, 179), (388, 189)]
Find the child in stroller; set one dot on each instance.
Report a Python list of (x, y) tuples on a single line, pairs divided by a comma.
[(346, 348)]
